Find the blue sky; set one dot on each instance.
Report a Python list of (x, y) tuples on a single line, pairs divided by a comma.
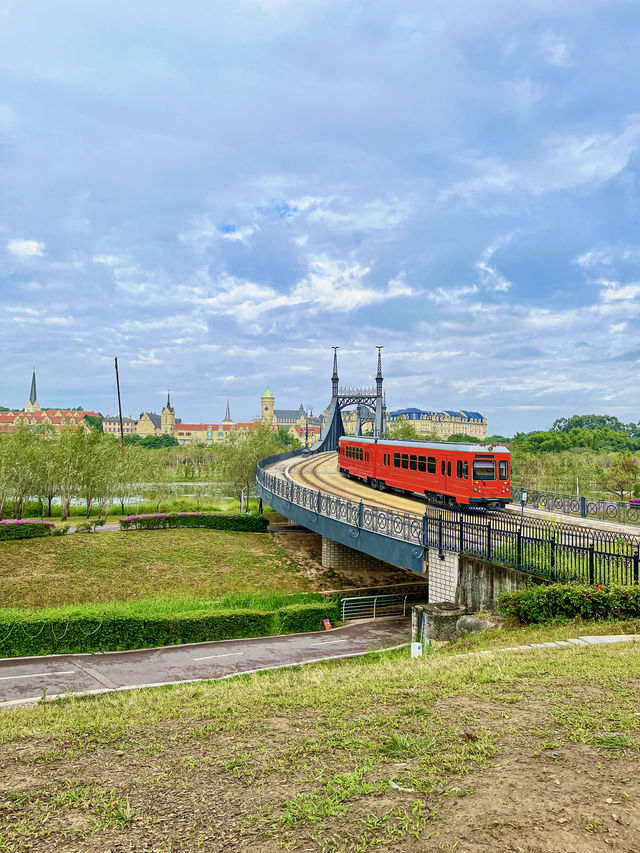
[(219, 192)]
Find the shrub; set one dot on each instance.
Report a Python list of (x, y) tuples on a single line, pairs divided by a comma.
[(563, 602), (147, 624), (28, 528), (164, 520)]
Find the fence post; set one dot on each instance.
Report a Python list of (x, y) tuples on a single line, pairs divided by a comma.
[(440, 552), (461, 543), (553, 556), (591, 563), (636, 566), (318, 502), (425, 531), (360, 511), (519, 549), (583, 507), (291, 491), (488, 540), (375, 599)]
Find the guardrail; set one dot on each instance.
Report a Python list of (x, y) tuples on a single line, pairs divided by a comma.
[(602, 509), (561, 552), (367, 606)]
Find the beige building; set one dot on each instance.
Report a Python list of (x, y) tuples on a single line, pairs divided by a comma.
[(292, 420), (443, 424)]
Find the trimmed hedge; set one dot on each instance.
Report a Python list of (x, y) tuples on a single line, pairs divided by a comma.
[(164, 520), (28, 528), (136, 625), (564, 602)]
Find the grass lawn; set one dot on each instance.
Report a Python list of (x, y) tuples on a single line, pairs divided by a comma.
[(163, 564), (521, 751)]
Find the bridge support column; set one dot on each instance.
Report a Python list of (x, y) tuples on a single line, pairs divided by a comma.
[(337, 556), (443, 575)]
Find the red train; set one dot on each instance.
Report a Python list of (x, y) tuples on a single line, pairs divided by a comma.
[(448, 473)]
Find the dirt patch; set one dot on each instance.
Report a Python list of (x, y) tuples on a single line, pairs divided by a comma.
[(304, 548)]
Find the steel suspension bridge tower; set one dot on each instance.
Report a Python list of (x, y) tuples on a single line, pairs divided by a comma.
[(370, 407)]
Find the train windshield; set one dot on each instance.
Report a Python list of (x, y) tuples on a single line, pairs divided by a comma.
[(484, 469)]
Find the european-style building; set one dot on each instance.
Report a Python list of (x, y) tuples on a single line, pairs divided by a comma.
[(443, 424)]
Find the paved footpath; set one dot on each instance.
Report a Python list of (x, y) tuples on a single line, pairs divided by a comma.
[(23, 680)]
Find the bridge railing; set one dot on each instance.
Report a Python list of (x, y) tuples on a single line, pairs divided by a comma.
[(603, 509), (538, 546)]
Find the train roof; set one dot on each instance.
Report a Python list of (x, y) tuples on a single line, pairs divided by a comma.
[(429, 445)]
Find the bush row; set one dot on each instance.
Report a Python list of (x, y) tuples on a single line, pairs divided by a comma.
[(26, 529), (118, 627), (561, 602), (163, 520)]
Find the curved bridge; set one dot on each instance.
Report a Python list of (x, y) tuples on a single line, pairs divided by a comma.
[(420, 537)]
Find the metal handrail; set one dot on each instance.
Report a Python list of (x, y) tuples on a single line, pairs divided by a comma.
[(369, 605)]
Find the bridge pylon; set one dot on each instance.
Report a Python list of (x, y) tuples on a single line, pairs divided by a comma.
[(370, 407)]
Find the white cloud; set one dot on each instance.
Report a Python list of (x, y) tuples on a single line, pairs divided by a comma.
[(564, 161), (489, 276), (109, 260), (329, 285), (450, 295), (556, 50), (26, 248), (374, 215)]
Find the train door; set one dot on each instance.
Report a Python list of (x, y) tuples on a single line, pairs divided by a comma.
[(447, 473)]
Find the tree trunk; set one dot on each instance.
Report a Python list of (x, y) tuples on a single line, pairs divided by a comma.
[(89, 501), (65, 509), (49, 499), (19, 507)]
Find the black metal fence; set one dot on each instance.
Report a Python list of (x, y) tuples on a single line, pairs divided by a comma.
[(561, 552), (603, 509)]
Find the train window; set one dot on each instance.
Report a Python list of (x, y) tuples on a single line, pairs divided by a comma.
[(431, 465), (405, 460), (484, 469), (422, 464), (360, 454), (504, 470), (396, 460), (448, 469), (442, 468), (465, 470), (413, 462), (459, 469)]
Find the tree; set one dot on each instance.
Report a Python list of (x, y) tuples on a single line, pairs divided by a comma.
[(239, 457), (463, 438), (94, 421), (404, 429), (618, 474)]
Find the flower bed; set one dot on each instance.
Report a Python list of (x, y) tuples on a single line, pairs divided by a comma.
[(165, 520), (26, 528), (562, 602)]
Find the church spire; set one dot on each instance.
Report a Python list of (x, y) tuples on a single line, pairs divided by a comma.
[(334, 377), (32, 402), (168, 400), (33, 397), (227, 415)]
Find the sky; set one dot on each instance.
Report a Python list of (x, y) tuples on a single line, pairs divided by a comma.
[(218, 193)]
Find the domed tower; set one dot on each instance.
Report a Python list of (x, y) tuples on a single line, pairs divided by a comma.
[(267, 408), (168, 418)]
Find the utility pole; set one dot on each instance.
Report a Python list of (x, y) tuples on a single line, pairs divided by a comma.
[(119, 404)]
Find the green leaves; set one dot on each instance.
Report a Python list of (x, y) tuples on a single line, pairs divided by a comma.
[(558, 602)]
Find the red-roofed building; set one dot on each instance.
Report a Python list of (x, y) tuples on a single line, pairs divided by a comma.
[(34, 416)]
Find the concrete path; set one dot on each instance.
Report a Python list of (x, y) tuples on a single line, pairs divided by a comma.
[(24, 680)]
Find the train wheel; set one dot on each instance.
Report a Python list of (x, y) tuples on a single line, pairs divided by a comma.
[(382, 486)]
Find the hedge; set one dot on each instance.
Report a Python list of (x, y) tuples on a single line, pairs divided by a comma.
[(27, 528), (117, 627), (563, 602), (164, 520)]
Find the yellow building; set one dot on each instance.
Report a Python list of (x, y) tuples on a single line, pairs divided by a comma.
[(289, 419), (443, 424)]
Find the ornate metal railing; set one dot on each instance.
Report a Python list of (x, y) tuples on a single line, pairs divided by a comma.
[(603, 509), (539, 546)]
